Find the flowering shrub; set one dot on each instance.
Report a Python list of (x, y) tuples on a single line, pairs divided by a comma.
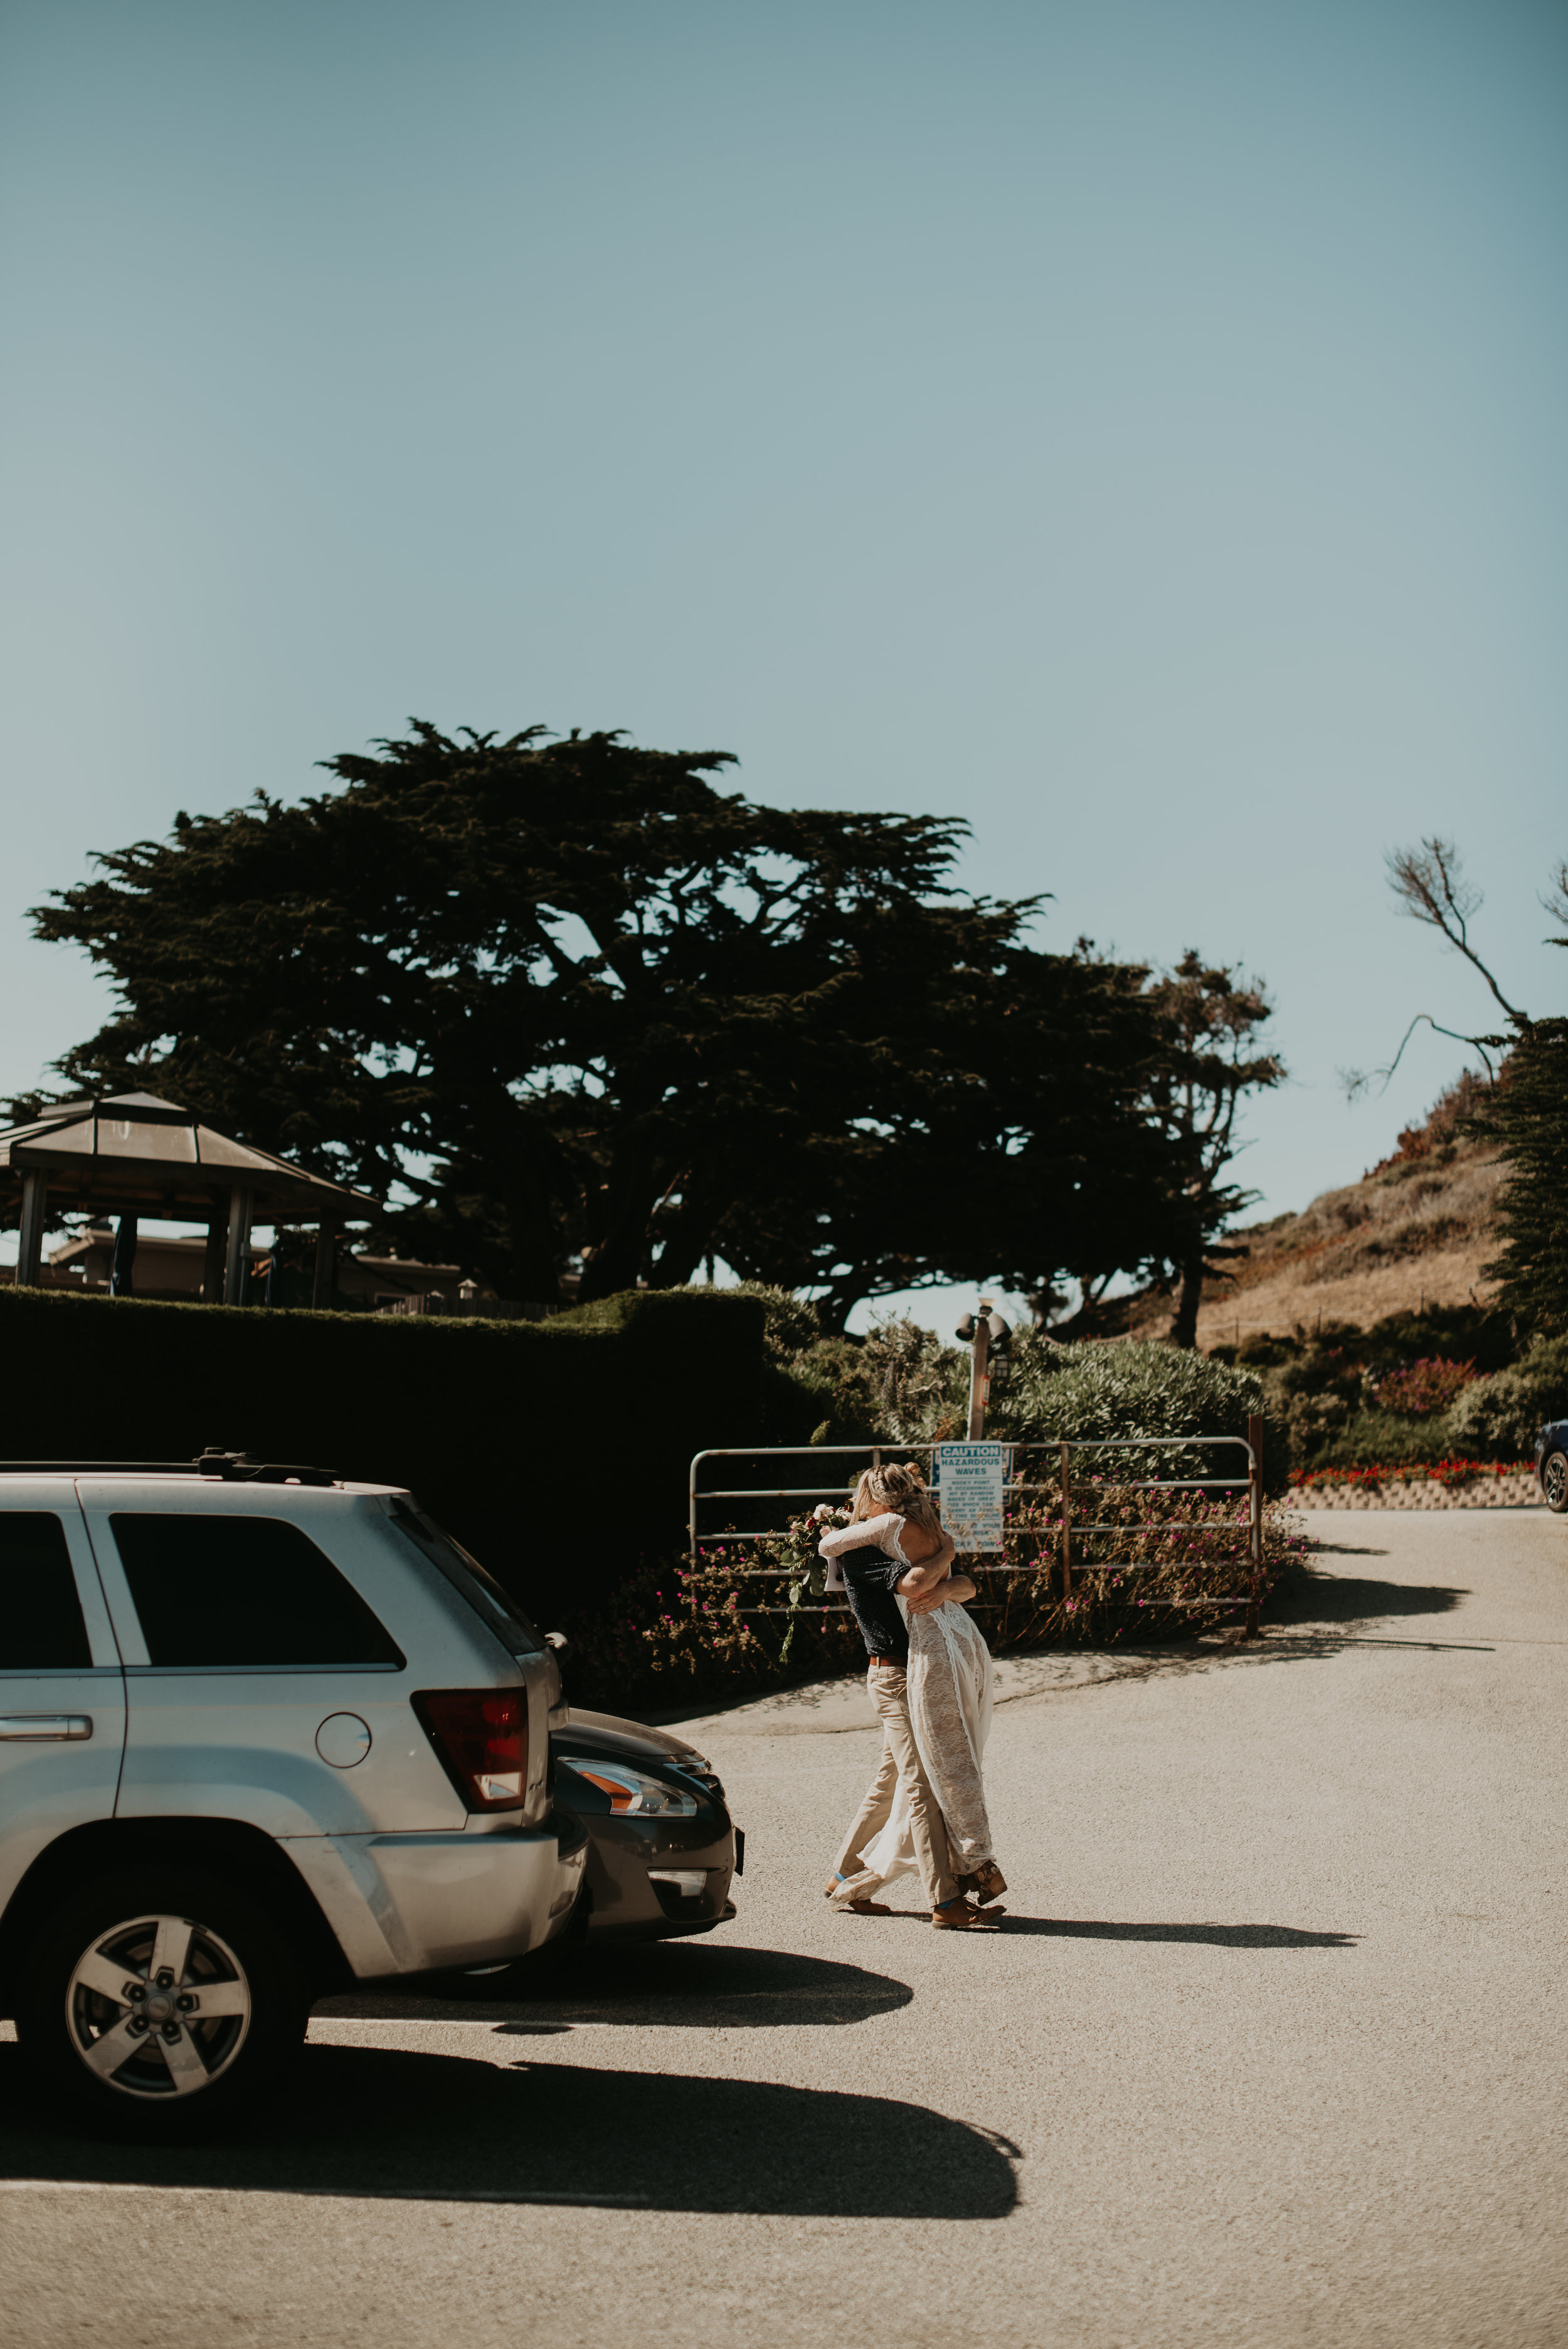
[(668, 1634), (1163, 1562), (1426, 1388), (1437, 1472), (1161, 1568)]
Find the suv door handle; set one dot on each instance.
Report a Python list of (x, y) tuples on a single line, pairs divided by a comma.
[(58, 1725)]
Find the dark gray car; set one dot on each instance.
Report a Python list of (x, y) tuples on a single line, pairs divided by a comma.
[(662, 1848)]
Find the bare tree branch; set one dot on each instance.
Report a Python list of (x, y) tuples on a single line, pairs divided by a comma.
[(1555, 900), (1429, 883), (1357, 1082)]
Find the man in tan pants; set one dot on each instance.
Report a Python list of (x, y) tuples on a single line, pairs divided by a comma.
[(886, 1688)]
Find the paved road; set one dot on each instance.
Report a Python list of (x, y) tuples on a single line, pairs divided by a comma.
[(1270, 2049)]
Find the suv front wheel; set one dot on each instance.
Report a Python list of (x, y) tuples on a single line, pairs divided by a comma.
[(163, 1998)]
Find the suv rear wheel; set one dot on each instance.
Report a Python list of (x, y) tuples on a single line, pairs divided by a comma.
[(163, 1997)]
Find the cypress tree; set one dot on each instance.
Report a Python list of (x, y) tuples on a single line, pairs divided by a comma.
[(1527, 1117)]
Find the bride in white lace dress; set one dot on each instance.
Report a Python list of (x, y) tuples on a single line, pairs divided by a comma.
[(950, 1690)]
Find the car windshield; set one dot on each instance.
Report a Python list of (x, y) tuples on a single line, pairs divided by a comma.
[(467, 1576)]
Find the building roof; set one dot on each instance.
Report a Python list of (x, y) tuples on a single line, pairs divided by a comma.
[(133, 1154)]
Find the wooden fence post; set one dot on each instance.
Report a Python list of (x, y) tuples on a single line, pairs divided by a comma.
[(1067, 1528), (1255, 1520), (979, 1382)]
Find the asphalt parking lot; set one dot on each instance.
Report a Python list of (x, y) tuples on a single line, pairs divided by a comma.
[(1270, 2047)]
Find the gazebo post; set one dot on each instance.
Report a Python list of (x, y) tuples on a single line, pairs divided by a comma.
[(30, 1252), (212, 1262), (239, 1244), (325, 1268)]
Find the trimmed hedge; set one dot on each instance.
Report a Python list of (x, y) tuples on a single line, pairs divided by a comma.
[(509, 1431)]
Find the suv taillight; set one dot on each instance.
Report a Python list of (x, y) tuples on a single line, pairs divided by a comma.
[(481, 1738)]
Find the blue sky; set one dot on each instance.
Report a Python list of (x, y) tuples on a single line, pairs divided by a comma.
[(1136, 428)]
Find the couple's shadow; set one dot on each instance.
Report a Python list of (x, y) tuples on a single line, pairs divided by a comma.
[(1219, 1937)]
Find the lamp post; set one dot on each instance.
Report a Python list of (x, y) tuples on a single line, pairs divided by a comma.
[(986, 1334)]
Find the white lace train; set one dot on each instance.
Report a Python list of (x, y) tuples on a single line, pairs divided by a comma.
[(951, 1684)]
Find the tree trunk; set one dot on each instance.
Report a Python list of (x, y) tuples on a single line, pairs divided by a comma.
[(615, 1250), (685, 1238), (1184, 1329)]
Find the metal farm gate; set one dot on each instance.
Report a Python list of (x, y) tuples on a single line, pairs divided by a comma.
[(782, 1501)]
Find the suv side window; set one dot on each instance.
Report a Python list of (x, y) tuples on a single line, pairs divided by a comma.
[(244, 1593), (41, 1626), (476, 1583)]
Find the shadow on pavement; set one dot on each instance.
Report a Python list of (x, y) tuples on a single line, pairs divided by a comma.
[(1312, 1597), (364, 2122), (1313, 1616), (670, 1983), (1221, 1937)]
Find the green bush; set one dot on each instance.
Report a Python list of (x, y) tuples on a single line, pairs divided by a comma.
[(1372, 1438), (507, 1429), (1061, 1392), (820, 1397), (900, 1381), (1500, 1418), (1334, 1388)]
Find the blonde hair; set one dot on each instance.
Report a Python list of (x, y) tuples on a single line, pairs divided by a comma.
[(899, 1487)]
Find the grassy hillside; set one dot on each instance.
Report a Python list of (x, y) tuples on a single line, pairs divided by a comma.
[(1411, 1236)]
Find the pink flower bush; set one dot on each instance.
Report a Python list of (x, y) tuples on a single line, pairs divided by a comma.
[(1425, 1389)]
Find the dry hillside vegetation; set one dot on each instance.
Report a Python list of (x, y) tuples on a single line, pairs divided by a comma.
[(1414, 1232)]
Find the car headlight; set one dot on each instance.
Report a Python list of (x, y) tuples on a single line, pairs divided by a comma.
[(631, 1794)]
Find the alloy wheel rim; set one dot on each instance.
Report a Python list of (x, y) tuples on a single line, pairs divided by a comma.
[(157, 2007), (1556, 1479)]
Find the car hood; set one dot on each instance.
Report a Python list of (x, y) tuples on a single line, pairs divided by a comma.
[(609, 1733)]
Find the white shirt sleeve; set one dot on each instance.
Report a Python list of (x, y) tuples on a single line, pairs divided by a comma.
[(882, 1531), (856, 1536)]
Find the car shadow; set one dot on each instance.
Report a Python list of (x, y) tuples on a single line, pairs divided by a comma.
[(384, 2123), (703, 1985)]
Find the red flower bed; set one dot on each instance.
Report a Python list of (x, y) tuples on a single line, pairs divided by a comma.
[(1441, 1472)]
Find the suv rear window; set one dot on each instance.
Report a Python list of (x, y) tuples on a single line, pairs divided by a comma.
[(244, 1593), (484, 1594), (41, 1627)]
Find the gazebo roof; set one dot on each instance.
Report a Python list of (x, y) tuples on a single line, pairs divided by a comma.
[(133, 1154)]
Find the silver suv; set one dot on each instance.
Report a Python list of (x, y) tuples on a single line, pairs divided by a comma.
[(262, 1734)]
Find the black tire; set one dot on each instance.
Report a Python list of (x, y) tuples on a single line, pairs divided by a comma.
[(87, 2038), (1555, 1481)]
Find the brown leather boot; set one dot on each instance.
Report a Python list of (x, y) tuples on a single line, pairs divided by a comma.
[(988, 1883), (959, 1917)]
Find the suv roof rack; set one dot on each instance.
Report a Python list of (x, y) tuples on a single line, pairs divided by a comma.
[(233, 1467)]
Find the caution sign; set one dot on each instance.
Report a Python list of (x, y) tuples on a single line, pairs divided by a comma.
[(971, 1479)]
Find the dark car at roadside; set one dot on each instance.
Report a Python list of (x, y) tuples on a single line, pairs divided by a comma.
[(1551, 1465), (662, 1847)]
